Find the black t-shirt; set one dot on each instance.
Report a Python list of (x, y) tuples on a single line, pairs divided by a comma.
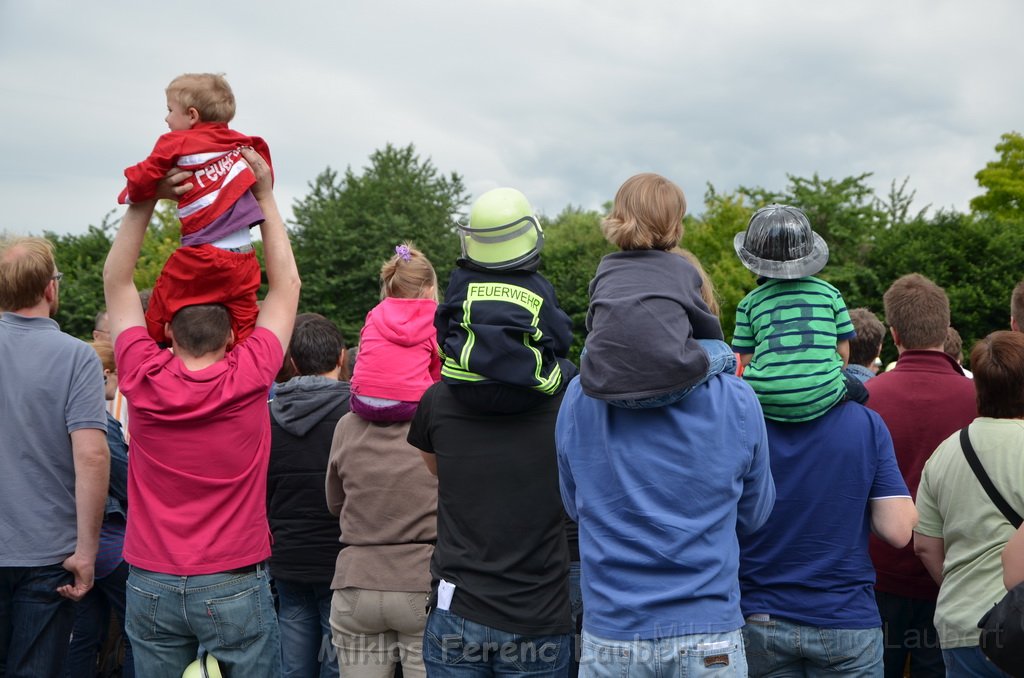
[(500, 533)]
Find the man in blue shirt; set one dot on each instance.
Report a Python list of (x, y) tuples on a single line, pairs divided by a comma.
[(660, 495)]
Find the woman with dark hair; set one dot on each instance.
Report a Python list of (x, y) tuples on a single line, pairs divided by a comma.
[(961, 533)]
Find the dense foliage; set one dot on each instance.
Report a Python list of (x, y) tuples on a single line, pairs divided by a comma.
[(347, 227)]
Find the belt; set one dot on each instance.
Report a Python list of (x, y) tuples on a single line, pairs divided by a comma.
[(245, 569)]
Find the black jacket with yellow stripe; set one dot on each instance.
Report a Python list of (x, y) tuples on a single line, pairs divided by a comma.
[(503, 327)]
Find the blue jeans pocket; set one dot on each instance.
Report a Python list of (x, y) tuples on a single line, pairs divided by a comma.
[(538, 654), (598, 659), (759, 638), (851, 648), (140, 612), (444, 638), (237, 618)]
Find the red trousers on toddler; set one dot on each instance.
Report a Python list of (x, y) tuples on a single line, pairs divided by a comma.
[(204, 274)]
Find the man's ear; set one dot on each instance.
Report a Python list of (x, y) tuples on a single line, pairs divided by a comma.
[(231, 341), (1013, 325), (193, 115), (168, 333), (895, 335)]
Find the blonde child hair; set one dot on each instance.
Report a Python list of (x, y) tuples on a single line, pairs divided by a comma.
[(707, 288), (208, 93), (408, 275), (647, 214)]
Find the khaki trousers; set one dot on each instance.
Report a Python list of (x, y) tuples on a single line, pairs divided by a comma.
[(374, 630)]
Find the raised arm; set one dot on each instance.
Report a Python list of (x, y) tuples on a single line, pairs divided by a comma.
[(123, 304), (277, 313)]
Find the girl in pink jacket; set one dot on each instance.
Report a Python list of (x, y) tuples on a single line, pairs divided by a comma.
[(398, 353)]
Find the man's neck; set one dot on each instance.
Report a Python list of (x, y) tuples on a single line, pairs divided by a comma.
[(195, 363), (900, 349), (40, 310)]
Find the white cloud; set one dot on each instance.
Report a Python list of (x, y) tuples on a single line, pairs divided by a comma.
[(562, 100)]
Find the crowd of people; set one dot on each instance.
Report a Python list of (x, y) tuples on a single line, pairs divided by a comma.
[(464, 500)]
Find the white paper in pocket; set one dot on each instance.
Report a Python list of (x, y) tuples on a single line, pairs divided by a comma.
[(445, 591)]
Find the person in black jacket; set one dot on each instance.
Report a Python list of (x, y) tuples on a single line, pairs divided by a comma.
[(303, 415)]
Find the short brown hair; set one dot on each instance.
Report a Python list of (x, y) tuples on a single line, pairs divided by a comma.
[(918, 310), (647, 214), (26, 268), (998, 365), (870, 332), (208, 93), (316, 344), (407, 274), (202, 328), (1017, 304)]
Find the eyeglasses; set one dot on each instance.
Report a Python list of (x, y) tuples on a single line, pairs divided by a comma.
[(58, 277)]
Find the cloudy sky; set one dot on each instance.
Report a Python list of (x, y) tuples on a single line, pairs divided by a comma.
[(562, 99)]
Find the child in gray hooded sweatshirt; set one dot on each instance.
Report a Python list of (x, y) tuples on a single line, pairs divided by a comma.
[(653, 334)]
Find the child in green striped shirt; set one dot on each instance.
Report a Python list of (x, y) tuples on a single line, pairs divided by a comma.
[(792, 331)]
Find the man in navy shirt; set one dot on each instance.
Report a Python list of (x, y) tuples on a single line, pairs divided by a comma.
[(806, 576)]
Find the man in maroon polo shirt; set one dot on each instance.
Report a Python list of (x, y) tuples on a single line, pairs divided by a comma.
[(923, 400)]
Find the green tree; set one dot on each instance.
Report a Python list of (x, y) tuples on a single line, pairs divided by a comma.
[(162, 237), (976, 260), (847, 214), (710, 237), (1003, 181), (81, 257), (346, 227), (573, 247)]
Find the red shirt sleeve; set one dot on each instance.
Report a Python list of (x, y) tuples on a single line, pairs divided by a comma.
[(142, 178)]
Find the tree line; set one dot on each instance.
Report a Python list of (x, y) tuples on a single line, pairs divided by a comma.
[(348, 223)]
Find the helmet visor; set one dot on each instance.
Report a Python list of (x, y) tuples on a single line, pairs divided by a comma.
[(502, 247)]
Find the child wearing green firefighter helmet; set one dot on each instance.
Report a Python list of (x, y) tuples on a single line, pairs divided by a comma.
[(504, 337)]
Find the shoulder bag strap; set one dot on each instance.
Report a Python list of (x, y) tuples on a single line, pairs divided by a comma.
[(986, 482)]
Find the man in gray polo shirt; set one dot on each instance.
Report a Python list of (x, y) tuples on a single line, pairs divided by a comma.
[(53, 450)]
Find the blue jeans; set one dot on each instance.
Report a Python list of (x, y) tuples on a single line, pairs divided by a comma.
[(92, 619), (455, 647), (698, 654), (720, 359), (231, 614), (35, 621), (304, 617), (970, 662), (782, 648)]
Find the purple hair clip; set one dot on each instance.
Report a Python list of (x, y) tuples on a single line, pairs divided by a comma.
[(403, 252)]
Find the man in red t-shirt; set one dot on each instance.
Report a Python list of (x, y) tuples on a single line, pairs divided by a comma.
[(923, 400), (197, 532)]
